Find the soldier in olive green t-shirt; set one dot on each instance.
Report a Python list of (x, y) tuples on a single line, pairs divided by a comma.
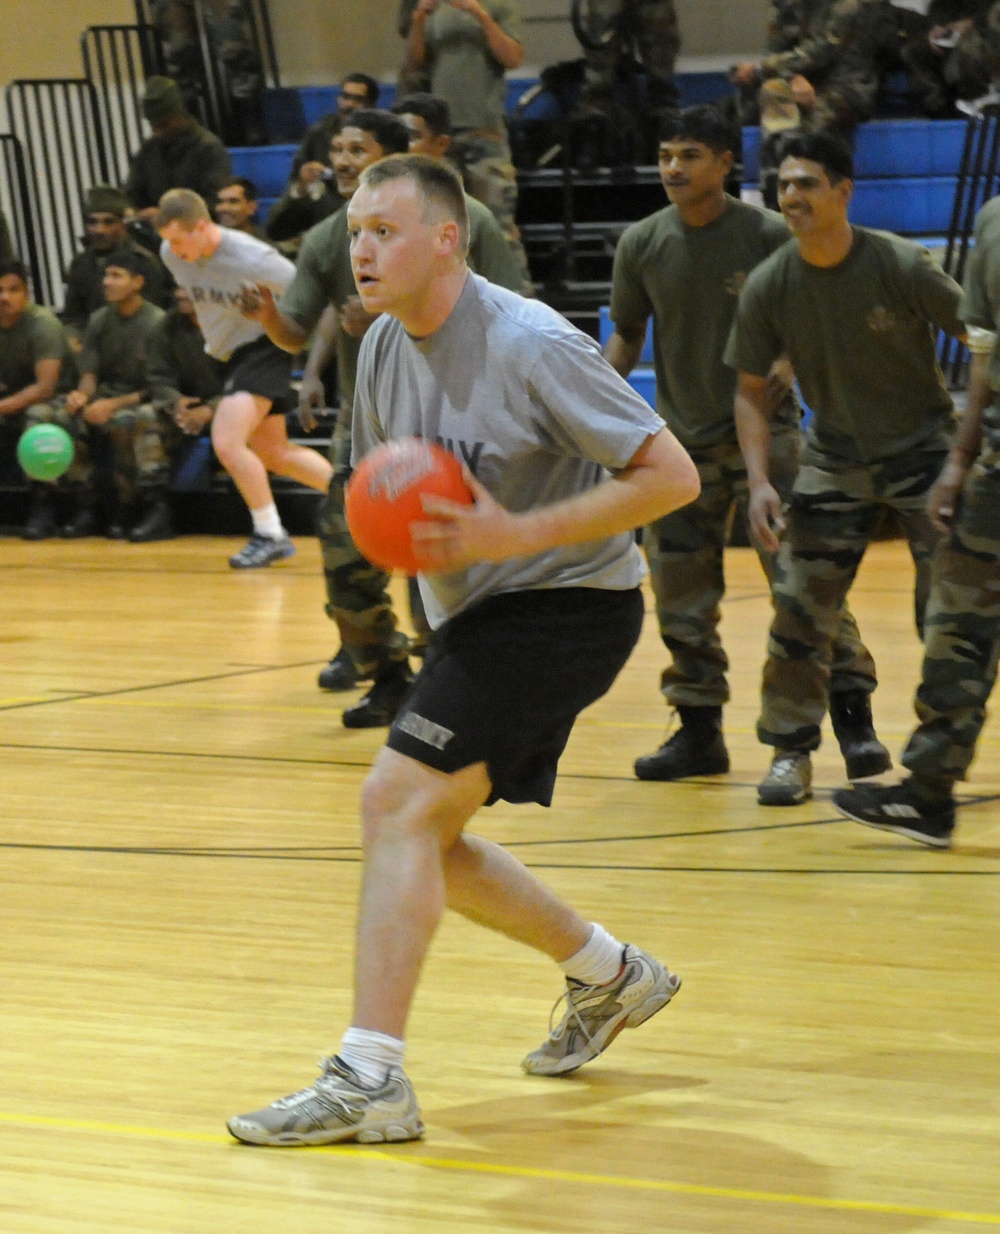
[(684, 267), (35, 363), (856, 312)]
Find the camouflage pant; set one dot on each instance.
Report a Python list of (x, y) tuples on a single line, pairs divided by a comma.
[(832, 516), (685, 553), (487, 169), (651, 25), (138, 437), (357, 592), (232, 47), (79, 478), (963, 633)]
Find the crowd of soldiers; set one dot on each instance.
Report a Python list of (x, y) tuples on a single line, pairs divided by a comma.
[(125, 371)]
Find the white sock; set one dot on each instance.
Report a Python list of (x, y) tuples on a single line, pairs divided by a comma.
[(598, 961), (267, 522), (371, 1054)]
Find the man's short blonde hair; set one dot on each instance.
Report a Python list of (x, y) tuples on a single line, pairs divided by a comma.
[(182, 206), (437, 184)]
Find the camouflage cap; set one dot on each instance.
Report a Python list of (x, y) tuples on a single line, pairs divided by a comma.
[(105, 199), (778, 110), (161, 99)]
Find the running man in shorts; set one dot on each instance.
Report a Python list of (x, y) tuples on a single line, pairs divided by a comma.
[(214, 264), (540, 576)]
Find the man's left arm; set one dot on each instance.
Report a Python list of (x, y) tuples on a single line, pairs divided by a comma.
[(39, 391), (659, 478), (507, 50), (938, 294)]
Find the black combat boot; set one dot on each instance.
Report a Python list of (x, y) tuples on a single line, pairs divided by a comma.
[(340, 674), (42, 521), (156, 523), (379, 706), (696, 749), (851, 716), (82, 523)]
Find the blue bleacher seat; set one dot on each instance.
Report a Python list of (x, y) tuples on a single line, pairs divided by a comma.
[(906, 173), (267, 166), (605, 328), (642, 379)]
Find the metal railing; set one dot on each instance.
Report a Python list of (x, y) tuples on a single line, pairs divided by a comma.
[(978, 181), (15, 201), (57, 122), (116, 61)]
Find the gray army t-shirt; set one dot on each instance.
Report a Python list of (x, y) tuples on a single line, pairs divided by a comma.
[(215, 286), (688, 279), (860, 336), (530, 405)]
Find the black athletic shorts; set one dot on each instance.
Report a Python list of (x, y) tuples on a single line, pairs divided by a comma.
[(264, 369), (503, 683)]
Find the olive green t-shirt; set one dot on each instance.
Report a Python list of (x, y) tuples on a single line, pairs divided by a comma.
[(463, 70), (323, 276), (36, 335), (981, 295), (116, 349), (860, 336), (688, 279)]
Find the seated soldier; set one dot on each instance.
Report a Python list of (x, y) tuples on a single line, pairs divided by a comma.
[(311, 197), (35, 362), (822, 71), (111, 398), (185, 382), (236, 207), (180, 153), (357, 91), (312, 194), (104, 211)]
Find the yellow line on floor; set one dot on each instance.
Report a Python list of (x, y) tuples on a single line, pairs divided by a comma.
[(410, 1155)]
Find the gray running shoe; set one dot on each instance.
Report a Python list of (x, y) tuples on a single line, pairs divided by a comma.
[(788, 781), (336, 1107), (596, 1014), (261, 551)]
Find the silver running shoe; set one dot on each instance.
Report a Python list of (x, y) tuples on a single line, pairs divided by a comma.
[(788, 781), (596, 1014), (336, 1107), (261, 551)]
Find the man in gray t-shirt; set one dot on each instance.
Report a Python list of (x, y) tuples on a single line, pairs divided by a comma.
[(213, 265), (536, 577)]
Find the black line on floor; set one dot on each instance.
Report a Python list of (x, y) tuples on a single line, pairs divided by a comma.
[(282, 855), (78, 695)]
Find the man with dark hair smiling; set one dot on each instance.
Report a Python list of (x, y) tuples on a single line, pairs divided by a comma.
[(236, 207), (684, 267), (540, 575), (856, 312)]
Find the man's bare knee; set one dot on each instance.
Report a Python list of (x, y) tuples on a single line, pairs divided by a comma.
[(402, 796)]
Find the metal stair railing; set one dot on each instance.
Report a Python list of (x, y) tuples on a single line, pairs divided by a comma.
[(978, 181), (57, 122), (117, 60), (15, 201)]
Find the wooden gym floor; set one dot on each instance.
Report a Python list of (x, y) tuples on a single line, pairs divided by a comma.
[(179, 867)]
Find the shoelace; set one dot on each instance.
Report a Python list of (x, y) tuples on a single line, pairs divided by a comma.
[(571, 1012)]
